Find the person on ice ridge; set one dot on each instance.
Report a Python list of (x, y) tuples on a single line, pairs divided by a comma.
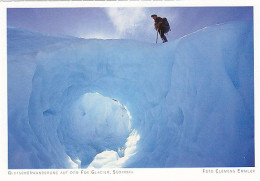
[(162, 26)]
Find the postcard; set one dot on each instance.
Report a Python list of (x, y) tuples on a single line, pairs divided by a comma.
[(129, 90)]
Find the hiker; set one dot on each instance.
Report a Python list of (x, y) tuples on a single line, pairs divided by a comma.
[(161, 25)]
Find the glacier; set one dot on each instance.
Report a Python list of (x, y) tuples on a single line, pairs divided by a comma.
[(93, 103)]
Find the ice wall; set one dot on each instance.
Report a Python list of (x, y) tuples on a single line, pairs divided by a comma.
[(188, 103)]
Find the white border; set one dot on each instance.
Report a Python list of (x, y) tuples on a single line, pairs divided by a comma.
[(3, 92), (139, 174)]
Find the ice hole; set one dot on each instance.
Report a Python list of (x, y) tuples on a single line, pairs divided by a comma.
[(92, 125)]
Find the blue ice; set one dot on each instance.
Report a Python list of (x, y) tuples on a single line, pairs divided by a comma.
[(78, 103)]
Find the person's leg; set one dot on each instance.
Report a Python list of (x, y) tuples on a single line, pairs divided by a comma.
[(163, 37)]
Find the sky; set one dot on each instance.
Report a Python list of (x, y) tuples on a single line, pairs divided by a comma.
[(122, 23)]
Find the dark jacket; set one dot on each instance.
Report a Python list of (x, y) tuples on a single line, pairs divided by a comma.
[(158, 23)]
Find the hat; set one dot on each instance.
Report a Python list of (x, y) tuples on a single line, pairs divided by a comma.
[(153, 15)]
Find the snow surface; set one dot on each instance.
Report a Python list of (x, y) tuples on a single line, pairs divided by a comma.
[(121, 103)]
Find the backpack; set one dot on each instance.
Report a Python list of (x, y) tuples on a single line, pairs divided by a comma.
[(166, 25)]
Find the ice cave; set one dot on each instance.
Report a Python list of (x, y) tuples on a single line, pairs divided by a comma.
[(104, 103)]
